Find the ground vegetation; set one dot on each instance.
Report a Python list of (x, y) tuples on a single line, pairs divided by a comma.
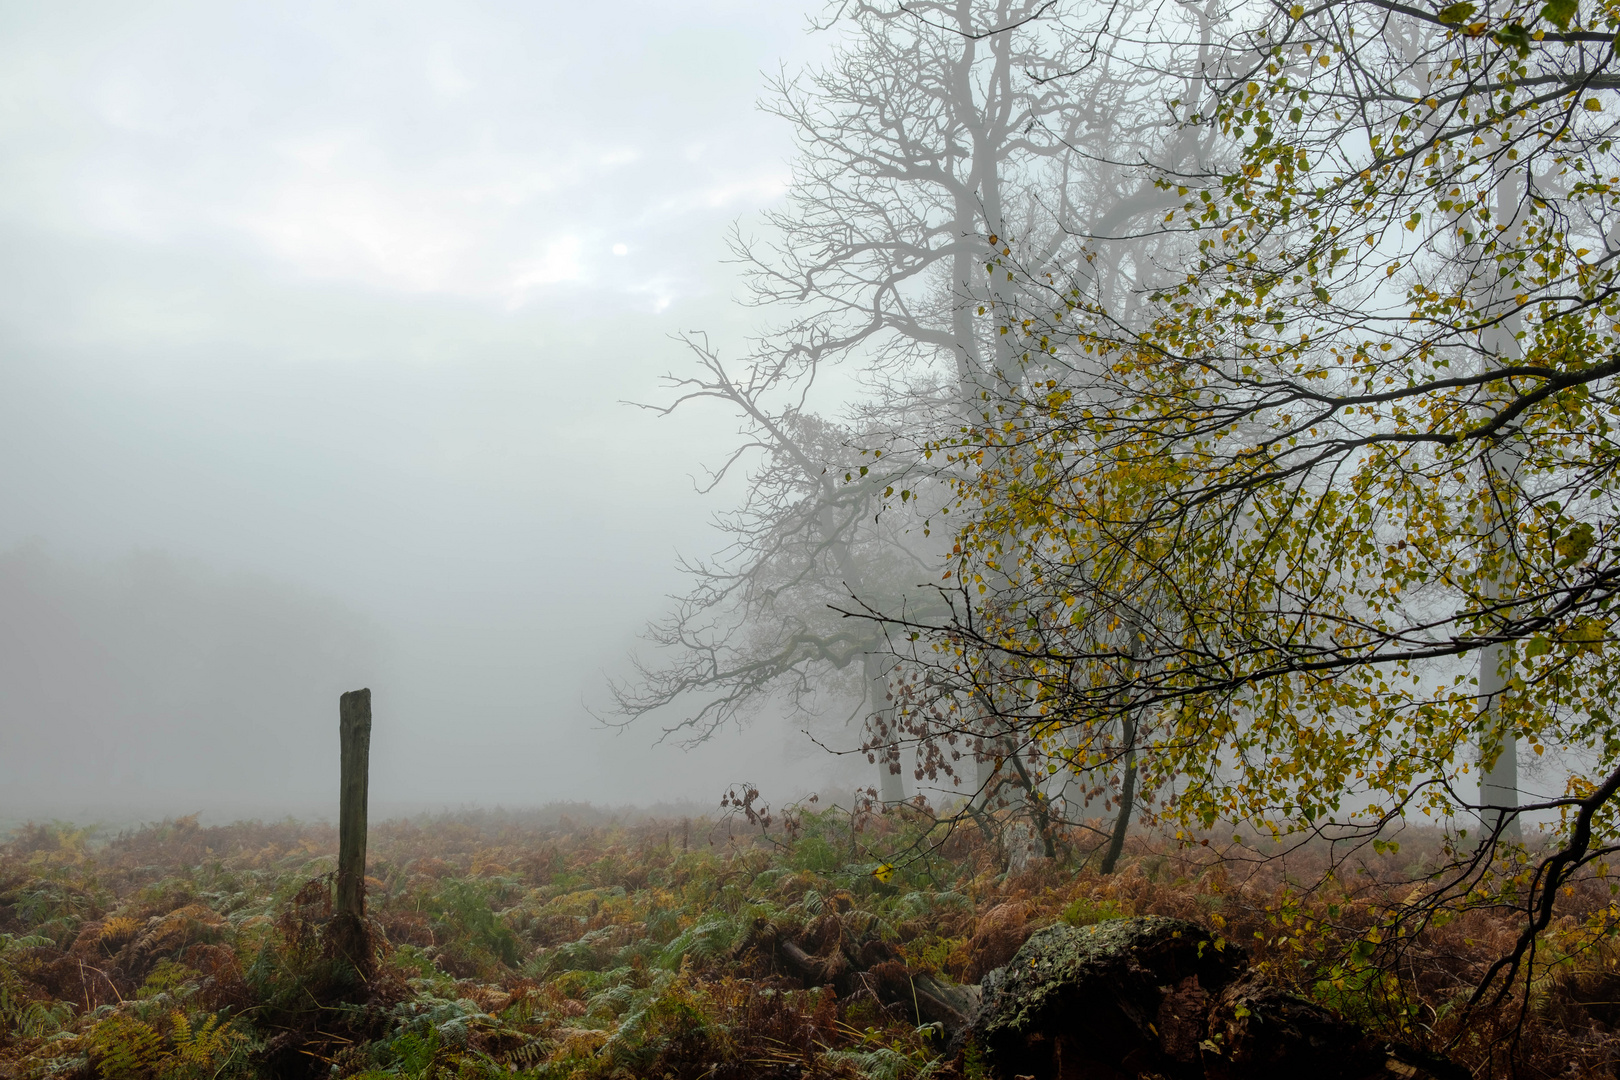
[(595, 946)]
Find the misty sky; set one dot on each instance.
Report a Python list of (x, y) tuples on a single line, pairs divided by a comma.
[(315, 326)]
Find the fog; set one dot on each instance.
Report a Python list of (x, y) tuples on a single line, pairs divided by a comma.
[(316, 329)]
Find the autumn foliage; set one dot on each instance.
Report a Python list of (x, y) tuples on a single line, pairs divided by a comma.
[(588, 946)]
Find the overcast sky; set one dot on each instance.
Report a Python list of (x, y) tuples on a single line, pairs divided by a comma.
[(315, 325)]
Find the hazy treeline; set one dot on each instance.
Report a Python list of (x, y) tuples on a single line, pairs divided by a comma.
[(131, 685)]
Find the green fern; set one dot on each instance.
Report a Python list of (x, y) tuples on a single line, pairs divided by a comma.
[(882, 1064), (32, 1019), (709, 940), (123, 1048), (198, 1050)]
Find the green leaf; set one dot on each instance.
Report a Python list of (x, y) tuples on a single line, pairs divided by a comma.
[(1456, 14), (1537, 646), (1516, 37), (1573, 545), (1559, 12), (1589, 635)]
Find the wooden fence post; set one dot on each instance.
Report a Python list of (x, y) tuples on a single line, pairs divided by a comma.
[(354, 735)]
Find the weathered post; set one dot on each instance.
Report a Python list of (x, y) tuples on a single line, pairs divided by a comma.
[(354, 737)]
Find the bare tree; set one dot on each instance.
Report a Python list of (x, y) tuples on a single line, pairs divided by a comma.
[(936, 135)]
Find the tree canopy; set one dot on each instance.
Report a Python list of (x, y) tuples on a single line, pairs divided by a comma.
[(1326, 526)]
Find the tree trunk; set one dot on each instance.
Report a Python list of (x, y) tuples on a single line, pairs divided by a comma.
[(349, 900), (1040, 810), (1127, 800), (891, 781), (1499, 784), (985, 771), (1127, 784)]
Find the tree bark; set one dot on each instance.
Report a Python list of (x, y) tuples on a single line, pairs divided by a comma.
[(1127, 783), (354, 736), (1040, 810), (891, 781), (1127, 799), (1499, 784)]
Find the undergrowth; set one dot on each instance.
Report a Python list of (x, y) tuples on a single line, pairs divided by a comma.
[(651, 948)]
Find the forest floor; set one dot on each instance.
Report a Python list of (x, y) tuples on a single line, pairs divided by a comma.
[(544, 946)]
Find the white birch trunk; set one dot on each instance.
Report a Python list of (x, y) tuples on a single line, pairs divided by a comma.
[(1499, 784), (891, 778)]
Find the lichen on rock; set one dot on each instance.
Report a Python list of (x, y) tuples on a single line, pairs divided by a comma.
[(1158, 997), (1097, 994)]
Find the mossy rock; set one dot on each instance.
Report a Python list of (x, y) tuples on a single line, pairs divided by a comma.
[(1120, 998), (1157, 997)]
